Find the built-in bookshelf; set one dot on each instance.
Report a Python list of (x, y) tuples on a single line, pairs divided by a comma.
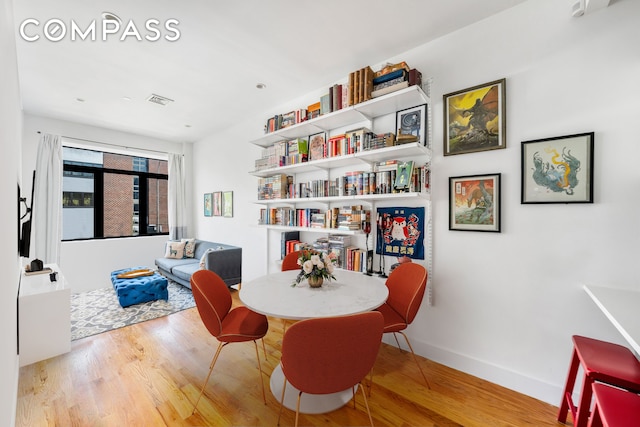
[(362, 160)]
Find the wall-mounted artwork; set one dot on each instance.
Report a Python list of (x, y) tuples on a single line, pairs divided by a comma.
[(227, 204), (400, 232), (558, 170), (208, 204), (411, 125), (474, 203), (475, 119), (217, 203)]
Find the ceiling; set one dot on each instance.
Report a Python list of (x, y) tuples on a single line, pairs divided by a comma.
[(222, 49)]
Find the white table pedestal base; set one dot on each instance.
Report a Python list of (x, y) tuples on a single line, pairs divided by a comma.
[(309, 403)]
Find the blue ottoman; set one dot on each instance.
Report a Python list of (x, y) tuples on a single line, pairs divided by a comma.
[(139, 289)]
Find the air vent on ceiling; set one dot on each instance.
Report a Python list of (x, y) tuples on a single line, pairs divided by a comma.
[(157, 99)]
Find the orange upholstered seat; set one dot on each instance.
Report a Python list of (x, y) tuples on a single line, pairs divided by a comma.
[(227, 325), (331, 354), (406, 284)]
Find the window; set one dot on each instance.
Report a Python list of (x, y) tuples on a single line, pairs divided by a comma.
[(113, 195)]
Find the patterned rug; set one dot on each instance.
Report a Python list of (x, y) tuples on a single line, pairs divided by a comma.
[(99, 311)]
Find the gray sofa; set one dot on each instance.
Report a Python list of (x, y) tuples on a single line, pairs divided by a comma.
[(224, 260)]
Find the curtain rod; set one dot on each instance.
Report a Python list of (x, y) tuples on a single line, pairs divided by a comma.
[(115, 145)]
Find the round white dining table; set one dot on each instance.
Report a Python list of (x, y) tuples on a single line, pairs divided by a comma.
[(273, 295)]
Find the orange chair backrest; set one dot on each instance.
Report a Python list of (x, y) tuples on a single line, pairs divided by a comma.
[(290, 261), (407, 284), (330, 354), (212, 298)]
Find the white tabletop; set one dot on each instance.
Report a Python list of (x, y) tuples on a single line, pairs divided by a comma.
[(622, 308), (352, 292)]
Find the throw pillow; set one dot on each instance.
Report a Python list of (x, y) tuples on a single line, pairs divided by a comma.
[(189, 247), (203, 259), (174, 250)]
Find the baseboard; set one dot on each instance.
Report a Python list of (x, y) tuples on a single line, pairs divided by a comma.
[(549, 393)]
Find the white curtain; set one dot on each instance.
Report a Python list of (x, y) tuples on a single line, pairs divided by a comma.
[(177, 198), (47, 200)]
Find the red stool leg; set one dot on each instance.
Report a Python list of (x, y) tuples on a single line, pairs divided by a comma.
[(567, 401), (584, 407), (595, 420)]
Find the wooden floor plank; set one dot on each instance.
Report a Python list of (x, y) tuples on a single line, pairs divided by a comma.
[(150, 374)]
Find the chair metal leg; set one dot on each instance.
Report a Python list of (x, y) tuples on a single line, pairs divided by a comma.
[(415, 358), (264, 349), (264, 396), (397, 342), (298, 408), (284, 387), (213, 363), (366, 404)]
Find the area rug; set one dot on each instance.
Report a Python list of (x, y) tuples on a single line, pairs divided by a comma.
[(99, 311)]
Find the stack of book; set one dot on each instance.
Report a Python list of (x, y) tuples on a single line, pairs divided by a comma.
[(395, 77), (281, 121), (360, 85), (288, 239), (274, 187)]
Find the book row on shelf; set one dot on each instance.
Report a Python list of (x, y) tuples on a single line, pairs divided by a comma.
[(318, 146), (348, 256), (391, 176), (347, 218), (361, 85)]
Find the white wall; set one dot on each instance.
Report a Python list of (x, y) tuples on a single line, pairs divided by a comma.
[(87, 264), (505, 304), (10, 135)]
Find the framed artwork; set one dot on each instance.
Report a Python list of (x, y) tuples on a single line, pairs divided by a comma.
[(474, 203), (208, 204), (403, 176), (227, 204), (316, 146), (475, 119), (411, 125), (217, 203), (558, 170)]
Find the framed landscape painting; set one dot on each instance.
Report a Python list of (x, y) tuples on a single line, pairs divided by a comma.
[(558, 170), (475, 119), (474, 203)]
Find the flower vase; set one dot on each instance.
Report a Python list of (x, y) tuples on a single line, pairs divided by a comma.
[(315, 281)]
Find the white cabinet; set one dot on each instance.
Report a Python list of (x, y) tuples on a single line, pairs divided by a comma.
[(44, 317)]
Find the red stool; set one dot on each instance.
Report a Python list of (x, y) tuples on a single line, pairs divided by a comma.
[(614, 407), (602, 362)]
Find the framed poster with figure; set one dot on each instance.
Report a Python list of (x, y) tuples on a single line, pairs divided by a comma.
[(227, 204), (475, 119), (558, 170), (217, 203), (474, 203), (411, 125)]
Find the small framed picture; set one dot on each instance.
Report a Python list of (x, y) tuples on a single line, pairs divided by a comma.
[(217, 203), (208, 204), (403, 176), (474, 203), (475, 119), (411, 125), (316, 146), (227, 204), (558, 170)]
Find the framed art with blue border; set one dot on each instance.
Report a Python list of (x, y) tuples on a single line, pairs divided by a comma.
[(208, 204)]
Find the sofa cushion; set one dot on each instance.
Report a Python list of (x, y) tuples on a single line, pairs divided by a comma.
[(189, 247), (174, 250), (168, 264), (185, 271)]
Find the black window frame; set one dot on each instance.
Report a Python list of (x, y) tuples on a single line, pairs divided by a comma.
[(98, 199)]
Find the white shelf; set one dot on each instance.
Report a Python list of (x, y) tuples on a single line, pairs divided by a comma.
[(312, 229), (386, 104), (349, 199), (413, 149)]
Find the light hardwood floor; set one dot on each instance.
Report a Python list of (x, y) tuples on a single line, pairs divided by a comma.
[(150, 373)]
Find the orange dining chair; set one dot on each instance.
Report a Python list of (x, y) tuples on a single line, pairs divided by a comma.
[(290, 261), (330, 354), (406, 284), (227, 325)]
